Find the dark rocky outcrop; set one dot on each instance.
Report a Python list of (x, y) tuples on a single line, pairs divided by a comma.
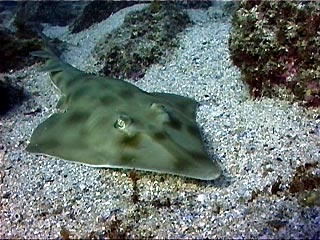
[(196, 4), (145, 38), (14, 51), (10, 94), (276, 46), (97, 11), (53, 12)]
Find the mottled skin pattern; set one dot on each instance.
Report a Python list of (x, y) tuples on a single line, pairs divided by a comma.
[(106, 122)]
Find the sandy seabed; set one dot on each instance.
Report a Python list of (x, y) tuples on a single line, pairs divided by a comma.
[(258, 144)]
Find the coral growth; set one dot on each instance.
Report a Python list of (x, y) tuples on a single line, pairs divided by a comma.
[(276, 45)]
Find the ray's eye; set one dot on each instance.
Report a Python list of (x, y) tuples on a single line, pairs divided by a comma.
[(123, 122)]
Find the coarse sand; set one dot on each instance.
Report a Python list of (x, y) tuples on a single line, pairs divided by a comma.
[(259, 144)]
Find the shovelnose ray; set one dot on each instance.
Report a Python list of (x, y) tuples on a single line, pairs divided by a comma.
[(107, 122)]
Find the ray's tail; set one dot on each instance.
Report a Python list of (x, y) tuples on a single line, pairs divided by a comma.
[(60, 71)]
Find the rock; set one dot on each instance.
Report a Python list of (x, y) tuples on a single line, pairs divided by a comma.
[(196, 4), (278, 54), (144, 38), (10, 94), (53, 12), (97, 11), (7, 11), (14, 52)]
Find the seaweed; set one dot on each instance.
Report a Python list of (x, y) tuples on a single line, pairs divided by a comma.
[(116, 230), (304, 179), (160, 204), (65, 233), (311, 198), (275, 188), (135, 193)]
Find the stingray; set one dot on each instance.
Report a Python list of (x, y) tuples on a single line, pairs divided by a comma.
[(110, 123)]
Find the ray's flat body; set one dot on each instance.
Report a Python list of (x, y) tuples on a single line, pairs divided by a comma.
[(107, 122)]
